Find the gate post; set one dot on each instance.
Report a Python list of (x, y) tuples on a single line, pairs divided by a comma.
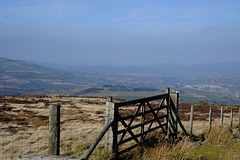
[(174, 114), (111, 135), (167, 111)]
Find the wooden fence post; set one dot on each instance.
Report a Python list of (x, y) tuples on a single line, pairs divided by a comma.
[(210, 118), (54, 130), (191, 120), (239, 116), (231, 118), (111, 135), (221, 116)]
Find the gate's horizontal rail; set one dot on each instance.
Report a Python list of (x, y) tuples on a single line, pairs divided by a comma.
[(142, 100), (139, 125), (146, 112)]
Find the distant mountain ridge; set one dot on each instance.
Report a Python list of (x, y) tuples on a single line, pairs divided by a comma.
[(168, 69)]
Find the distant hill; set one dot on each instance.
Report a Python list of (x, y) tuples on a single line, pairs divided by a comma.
[(196, 70), (18, 77)]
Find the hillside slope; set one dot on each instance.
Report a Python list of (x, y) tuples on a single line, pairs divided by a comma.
[(17, 77)]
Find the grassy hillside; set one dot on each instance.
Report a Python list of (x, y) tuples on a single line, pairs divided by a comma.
[(17, 77)]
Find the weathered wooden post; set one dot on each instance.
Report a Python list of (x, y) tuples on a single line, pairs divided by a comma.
[(239, 116), (143, 107), (167, 111), (111, 135), (142, 122), (221, 116), (231, 118), (54, 130), (173, 120), (191, 120), (210, 118)]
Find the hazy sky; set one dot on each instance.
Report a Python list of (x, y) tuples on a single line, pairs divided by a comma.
[(120, 32)]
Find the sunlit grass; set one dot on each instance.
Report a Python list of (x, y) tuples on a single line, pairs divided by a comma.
[(220, 144)]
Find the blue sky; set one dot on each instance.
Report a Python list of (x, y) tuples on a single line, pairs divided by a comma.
[(120, 32)]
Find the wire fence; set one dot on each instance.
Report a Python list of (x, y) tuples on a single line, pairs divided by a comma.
[(199, 118), (24, 125)]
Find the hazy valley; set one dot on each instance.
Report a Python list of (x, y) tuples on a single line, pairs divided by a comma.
[(213, 83)]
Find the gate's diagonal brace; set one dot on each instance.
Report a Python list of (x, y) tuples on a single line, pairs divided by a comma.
[(149, 127), (98, 139), (127, 127), (128, 130), (155, 116), (181, 125)]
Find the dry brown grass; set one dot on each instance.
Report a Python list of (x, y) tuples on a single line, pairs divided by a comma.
[(24, 124), (229, 155), (219, 135), (165, 151)]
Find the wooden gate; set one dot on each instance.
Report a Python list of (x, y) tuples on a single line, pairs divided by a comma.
[(132, 121)]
